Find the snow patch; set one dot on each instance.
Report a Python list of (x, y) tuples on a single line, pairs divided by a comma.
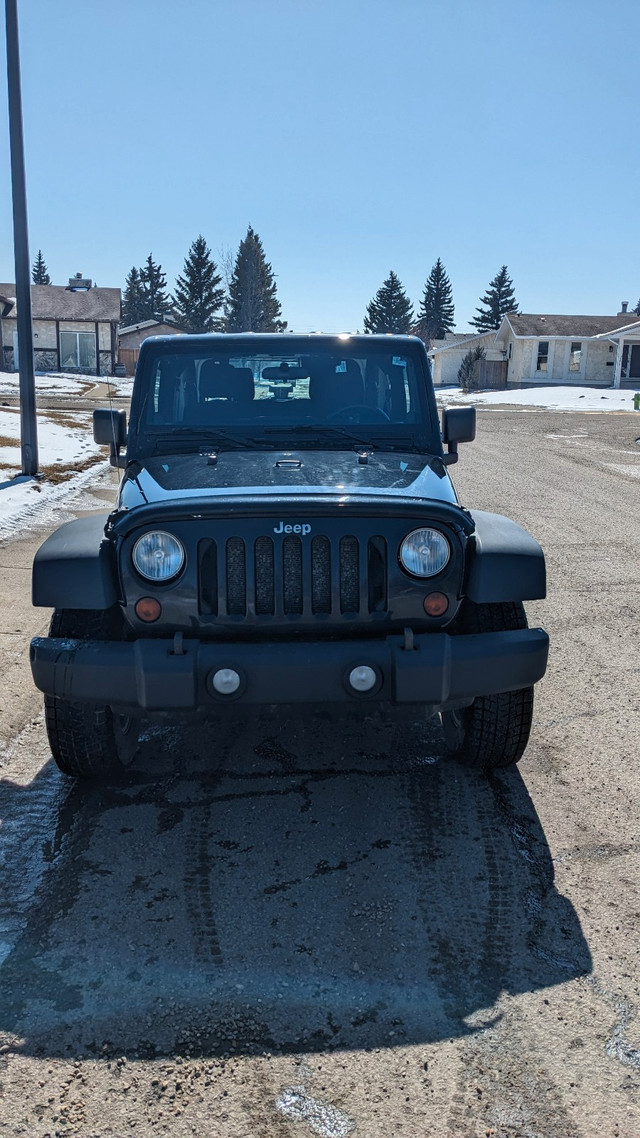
[(544, 398), (321, 1117)]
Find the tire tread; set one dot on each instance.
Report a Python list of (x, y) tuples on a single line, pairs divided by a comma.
[(496, 727)]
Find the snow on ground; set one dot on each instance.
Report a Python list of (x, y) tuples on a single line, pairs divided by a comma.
[(67, 456), (65, 383), (46, 384), (544, 398)]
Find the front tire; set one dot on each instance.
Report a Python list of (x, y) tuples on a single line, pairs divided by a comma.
[(493, 731), (88, 740)]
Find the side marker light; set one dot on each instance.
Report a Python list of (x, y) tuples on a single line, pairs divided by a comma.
[(148, 609), (436, 604)]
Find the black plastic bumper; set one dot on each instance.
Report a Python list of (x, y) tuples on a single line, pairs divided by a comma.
[(160, 675)]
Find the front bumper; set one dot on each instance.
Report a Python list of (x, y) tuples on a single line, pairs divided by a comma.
[(170, 675)]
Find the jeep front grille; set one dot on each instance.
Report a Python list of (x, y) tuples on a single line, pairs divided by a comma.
[(306, 577)]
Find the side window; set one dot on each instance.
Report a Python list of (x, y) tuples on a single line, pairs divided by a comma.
[(543, 355)]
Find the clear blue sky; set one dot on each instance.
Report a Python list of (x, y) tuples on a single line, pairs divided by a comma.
[(355, 136)]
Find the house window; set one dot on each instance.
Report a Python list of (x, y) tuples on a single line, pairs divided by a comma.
[(78, 350), (543, 355), (575, 356)]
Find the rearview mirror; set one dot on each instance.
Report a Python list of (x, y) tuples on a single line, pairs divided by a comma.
[(110, 429), (458, 426)]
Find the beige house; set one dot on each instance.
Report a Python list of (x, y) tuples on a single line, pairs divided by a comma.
[(74, 327), (602, 351), (131, 337), (446, 355)]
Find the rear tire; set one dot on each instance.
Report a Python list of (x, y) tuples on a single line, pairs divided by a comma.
[(88, 740), (493, 731)]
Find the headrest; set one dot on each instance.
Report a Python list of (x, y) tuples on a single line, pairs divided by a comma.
[(220, 380), (176, 368)]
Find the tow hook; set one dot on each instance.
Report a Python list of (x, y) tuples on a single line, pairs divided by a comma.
[(178, 649)]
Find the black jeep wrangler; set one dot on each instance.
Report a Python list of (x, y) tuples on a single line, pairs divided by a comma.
[(285, 532)]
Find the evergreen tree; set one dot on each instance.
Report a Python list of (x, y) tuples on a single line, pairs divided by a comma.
[(133, 301), (468, 370), (39, 272), (435, 315), (499, 300), (253, 305), (196, 297), (390, 310), (636, 310), (155, 301)]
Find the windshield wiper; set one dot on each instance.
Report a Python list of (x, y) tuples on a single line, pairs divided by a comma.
[(188, 442), (320, 432)]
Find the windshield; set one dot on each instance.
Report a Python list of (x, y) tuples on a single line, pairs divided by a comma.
[(280, 393)]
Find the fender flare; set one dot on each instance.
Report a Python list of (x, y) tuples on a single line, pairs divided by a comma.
[(74, 568), (505, 562)]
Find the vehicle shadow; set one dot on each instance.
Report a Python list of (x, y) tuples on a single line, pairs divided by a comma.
[(257, 887)]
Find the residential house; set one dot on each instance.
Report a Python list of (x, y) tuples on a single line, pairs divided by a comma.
[(447, 355), (74, 327), (601, 351), (131, 337)]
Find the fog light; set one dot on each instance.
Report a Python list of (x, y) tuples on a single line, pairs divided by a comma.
[(363, 678), (148, 609), (226, 681), (436, 604)]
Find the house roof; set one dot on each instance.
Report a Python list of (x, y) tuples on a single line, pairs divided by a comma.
[(56, 302), (166, 323), (582, 327), (458, 339)]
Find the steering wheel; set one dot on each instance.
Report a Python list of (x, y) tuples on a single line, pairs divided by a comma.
[(359, 413)]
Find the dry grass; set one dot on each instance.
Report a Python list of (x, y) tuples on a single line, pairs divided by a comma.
[(56, 472), (73, 420)]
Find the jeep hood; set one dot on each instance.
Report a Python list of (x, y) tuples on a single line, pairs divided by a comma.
[(168, 478)]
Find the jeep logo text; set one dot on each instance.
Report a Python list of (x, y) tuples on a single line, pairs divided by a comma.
[(304, 529)]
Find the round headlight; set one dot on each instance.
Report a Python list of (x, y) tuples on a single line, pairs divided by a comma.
[(424, 552), (158, 556)]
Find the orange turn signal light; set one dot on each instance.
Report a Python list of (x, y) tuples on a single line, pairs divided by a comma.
[(148, 609), (436, 604)]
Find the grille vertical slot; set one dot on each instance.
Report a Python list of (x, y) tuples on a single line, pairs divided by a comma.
[(208, 574), (265, 577), (349, 575), (236, 577), (292, 592), (320, 575), (377, 574)]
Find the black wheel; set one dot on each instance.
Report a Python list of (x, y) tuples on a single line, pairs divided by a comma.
[(493, 732), (88, 740)]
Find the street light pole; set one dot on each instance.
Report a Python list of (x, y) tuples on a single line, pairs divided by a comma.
[(28, 424)]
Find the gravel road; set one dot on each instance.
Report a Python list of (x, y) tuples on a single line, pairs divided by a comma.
[(281, 929)]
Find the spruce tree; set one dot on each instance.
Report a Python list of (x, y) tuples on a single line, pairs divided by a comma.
[(636, 310), (468, 370), (435, 314), (253, 305), (39, 272), (155, 301), (133, 301), (498, 300), (197, 297), (390, 310)]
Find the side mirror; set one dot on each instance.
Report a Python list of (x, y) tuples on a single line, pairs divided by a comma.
[(110, 429), (458, 426)]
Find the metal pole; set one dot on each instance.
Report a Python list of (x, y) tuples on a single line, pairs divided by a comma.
[(28, 423)]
